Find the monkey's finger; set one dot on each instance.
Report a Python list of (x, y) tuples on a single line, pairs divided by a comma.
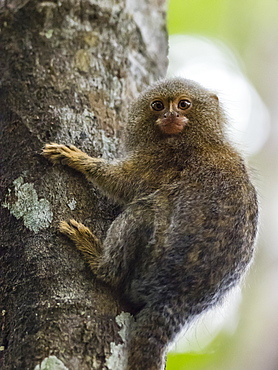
[(73, 227), (74, 148), (67, 148), (84, 239), (66, 229), (55, 157), (55, 152), (78, 226), (55, 148)]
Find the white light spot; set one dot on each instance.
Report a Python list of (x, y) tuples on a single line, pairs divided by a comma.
[(215, 67)]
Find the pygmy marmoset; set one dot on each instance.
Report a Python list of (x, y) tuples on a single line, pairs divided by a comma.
[(186, 234)]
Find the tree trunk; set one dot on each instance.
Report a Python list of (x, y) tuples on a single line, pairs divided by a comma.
[(68, 71)]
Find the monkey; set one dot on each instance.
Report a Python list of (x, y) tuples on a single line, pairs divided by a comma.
[(187, 231)]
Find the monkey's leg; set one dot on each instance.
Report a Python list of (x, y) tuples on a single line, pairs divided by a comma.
[(128, 233), (112, 260), (85, 241)]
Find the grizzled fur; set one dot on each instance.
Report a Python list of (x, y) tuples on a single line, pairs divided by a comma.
[(186, 235)]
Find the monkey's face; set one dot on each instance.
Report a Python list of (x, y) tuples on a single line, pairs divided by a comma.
[(176, 109), (171, 114)]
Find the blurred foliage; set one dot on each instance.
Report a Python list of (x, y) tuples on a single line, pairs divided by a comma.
[(236, 22), (205, 359), (188, 361)]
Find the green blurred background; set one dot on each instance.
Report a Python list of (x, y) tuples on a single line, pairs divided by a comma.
[(249, 30)]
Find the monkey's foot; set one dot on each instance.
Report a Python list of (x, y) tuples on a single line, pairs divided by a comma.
[(59, 153), (84, 240)]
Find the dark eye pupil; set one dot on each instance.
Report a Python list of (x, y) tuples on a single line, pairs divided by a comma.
[(184, 104), (157, 105)]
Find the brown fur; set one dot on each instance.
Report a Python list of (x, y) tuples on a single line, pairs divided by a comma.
[(186, 235)]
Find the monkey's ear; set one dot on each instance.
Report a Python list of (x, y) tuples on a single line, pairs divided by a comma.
[(214, 96)]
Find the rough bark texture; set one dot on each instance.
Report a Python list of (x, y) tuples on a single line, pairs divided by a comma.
[(68, 70)]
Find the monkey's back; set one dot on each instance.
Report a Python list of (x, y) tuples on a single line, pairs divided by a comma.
[(202, 239)]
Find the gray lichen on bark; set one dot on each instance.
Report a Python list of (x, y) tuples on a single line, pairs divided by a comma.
[(36, 213), (51, 363), (118, 360)]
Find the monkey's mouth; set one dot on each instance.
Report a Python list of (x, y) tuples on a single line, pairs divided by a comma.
[(172, 125)]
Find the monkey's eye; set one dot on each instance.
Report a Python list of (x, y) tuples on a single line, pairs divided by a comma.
[(157, 105), (184, 104)]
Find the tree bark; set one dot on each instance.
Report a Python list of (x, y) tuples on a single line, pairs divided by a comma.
[(68, 71)]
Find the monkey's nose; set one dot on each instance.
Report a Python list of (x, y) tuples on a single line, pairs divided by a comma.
[(171, 114)]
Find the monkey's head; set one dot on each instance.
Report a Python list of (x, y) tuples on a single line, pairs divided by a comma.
[(176, 110)]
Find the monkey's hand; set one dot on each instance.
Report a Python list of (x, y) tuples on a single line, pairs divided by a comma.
[(85, 241), (59, 153), (70, 156)]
